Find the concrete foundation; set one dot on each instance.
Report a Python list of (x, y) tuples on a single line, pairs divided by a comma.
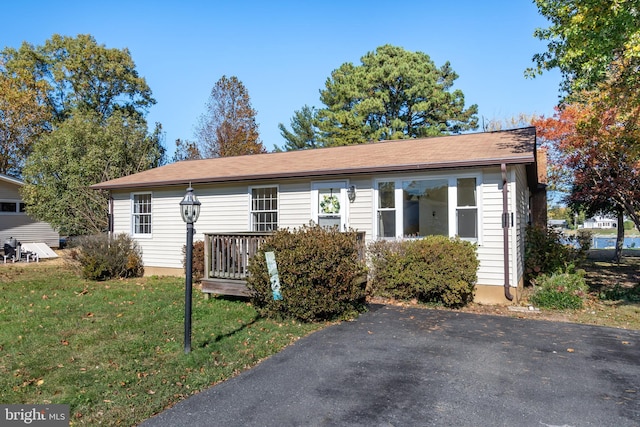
[(491, 294), (163, 271), (485, 294)]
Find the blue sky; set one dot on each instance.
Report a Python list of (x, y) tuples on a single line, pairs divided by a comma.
[(283, 51)]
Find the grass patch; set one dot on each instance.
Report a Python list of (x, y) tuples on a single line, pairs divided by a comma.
[(613, 292), (114, 350)]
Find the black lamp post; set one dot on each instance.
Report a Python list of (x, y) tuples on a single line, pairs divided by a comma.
[(190, 210)]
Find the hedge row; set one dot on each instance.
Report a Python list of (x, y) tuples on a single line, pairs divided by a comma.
[(435, 269), (323, 274)]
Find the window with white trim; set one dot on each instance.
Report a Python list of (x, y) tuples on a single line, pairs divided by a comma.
[(467, 209), (141, 214), (11, 207), (386, 209), (264, 208), (418, 207)]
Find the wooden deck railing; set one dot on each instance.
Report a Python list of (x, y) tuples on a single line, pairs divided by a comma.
[(226, 260)]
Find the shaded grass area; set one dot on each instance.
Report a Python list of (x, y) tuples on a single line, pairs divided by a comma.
[(614, 281), (114, 350), (615, 289), (614, 293)]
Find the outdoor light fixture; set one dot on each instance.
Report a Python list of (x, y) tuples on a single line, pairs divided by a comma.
[(190, 207), (190, 210), (351, 193)]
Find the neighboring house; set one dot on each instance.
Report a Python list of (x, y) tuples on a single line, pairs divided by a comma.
[(467, 185), (558, 224), (14, 222), (600, 222)]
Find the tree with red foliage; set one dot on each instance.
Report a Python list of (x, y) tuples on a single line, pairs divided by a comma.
[(595, 153)]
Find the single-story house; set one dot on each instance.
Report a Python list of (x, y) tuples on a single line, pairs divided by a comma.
[(15, 223), (482, 187)]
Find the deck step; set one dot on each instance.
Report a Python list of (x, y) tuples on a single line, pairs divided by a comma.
[(225, 287)]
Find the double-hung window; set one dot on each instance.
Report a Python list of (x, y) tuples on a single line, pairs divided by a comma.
[(386, 209), (141, 214), (264, 208), (467, 209)]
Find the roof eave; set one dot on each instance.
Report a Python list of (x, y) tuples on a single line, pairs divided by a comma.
[(317, 173)]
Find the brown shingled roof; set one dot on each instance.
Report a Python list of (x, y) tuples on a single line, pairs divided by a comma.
[(475, 149)]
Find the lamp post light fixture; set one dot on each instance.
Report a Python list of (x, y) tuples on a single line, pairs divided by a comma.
[(190, 210)]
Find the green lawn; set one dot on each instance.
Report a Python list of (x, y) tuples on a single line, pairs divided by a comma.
[(114, 350)]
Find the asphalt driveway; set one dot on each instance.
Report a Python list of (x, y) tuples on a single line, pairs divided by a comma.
[(397, 366)]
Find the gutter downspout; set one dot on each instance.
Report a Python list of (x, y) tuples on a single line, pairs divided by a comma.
[(110, 216), (505, 231)]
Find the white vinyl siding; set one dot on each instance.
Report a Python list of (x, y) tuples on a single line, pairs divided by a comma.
[(295, 204), (490, 252), (9, 191), (226, 209), (18, 224), (25, 230), (521, 219), (223, 209), (360, 214)]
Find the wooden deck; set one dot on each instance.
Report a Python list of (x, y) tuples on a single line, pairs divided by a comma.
[(226, 259)]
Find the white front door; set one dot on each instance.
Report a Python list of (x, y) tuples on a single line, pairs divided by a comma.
[(329, 204)]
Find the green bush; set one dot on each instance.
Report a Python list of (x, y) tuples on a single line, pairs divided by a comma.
[(560, 290), (321, 275), (101, 257), (546, 253), (197, 262), (435, 269)]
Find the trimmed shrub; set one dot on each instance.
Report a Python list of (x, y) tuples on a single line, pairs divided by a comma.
[(435, 269), (321, 275), (560, 290), (197, 263), (101, 257)]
